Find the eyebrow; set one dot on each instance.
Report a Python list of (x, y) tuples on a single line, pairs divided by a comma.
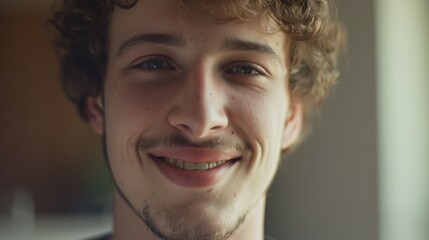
[(171, 39), (236, 44), (177, 40)]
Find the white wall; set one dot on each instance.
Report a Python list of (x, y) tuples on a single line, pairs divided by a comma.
[(403, 118)]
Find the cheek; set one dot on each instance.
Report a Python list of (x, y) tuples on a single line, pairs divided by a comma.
[(129, 113), (127, 116), (263, 117), (136, 105)]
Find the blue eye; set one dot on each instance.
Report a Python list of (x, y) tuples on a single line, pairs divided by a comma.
[(244, 69), (153, 64)]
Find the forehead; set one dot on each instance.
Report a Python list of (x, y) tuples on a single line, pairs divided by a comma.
[(149, 16)]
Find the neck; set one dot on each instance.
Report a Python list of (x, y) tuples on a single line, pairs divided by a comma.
[(127, 225)]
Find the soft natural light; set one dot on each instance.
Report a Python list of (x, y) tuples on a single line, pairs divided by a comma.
[(403, 118)]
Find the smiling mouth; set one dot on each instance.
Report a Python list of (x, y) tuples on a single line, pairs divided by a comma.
[(192, 166)]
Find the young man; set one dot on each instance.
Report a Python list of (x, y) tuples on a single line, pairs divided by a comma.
[(195, 101)]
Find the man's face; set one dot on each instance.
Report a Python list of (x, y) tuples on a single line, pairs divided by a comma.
[(196, 113)]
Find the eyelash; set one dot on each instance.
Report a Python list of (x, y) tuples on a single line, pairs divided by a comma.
[(152, 64), (149, 64), (244, 70)]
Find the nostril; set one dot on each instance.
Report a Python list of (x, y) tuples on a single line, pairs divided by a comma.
[(217, 127), (184, 127)]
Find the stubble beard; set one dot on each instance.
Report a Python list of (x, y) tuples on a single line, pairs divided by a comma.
[(176, 227), (168, 226)]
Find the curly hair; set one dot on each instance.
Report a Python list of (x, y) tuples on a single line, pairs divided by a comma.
[(316, 38)]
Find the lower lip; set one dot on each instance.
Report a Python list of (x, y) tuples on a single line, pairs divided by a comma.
[(195, 178)]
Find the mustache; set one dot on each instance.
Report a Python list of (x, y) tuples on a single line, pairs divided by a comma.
[(177, 140)]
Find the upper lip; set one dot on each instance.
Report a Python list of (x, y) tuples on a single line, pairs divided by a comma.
[(192, 154)]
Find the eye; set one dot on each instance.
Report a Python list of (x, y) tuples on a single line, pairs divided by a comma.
[(153, 64), (244, 69)]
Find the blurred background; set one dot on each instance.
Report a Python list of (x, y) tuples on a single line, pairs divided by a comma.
[(362, 174)]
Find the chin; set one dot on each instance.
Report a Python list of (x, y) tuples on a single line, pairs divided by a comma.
[(192, 222)]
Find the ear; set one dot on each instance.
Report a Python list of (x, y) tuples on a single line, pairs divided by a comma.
[(293, 125), (95, 110)]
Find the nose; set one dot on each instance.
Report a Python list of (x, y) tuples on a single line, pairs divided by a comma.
[(199, 109)]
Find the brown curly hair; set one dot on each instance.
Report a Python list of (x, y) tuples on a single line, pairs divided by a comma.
[(316, 38)]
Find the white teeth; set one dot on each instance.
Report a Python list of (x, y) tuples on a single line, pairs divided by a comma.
[(202, 166), (190, 166), (179, 164)]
